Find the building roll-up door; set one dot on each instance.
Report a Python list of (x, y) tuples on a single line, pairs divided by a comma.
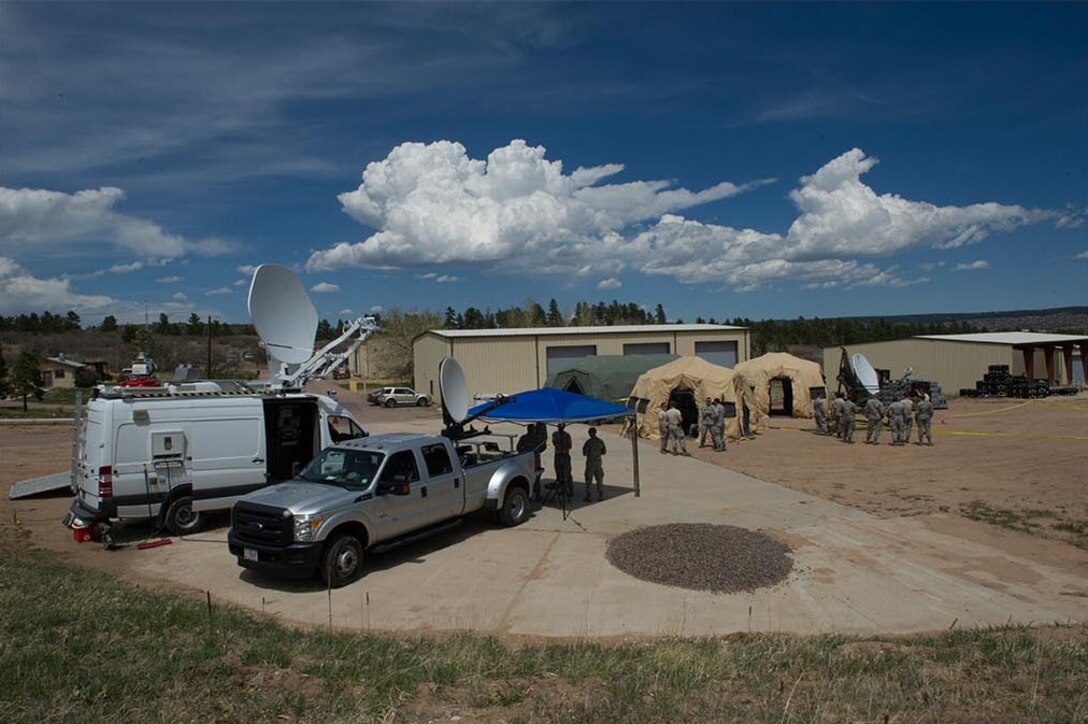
[(646, 348), (563, 358), (718, 353)]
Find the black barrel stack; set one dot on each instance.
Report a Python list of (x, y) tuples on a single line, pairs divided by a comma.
[(999, 383)]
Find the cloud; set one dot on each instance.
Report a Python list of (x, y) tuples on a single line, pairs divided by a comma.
[(126, 268), (376, 309), (610, 283), (432, 203), (169, 280), (446, 279), (217, 291), (325, 288), (346, 312), (23, 292), (518, 213), (179, 297), (1082, 255), (246, 269), (239, 282), (40, 218), (972, 266)]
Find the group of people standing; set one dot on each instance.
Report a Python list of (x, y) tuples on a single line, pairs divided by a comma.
[(712, 423), (902, 415), (593, 450), (670, 426)]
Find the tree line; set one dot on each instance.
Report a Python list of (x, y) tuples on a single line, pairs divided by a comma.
[(49, 323)]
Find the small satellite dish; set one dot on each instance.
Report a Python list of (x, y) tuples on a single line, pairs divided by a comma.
[(866, 374), (454, 390), (282, 314)]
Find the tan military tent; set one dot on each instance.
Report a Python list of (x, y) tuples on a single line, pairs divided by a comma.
[(691, 379), (784, 378)]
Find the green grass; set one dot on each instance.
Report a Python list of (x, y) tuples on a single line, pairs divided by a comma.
[(16, 413), (77, 645)]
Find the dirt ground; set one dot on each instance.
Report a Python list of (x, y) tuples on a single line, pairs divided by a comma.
[(1018, 464), (1022, 464)]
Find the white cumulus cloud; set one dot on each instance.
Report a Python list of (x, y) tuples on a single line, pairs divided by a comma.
[(433, 203), (217, 291), (610, 283), (446, 278), (169, 280), (346, 312), (246, 269), (325, 288), (972, 266), (40, 217), (1082, 255), (22, 292), (179, 297), (519, 213)]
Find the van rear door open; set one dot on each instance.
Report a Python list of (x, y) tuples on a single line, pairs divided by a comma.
[(293, 434)]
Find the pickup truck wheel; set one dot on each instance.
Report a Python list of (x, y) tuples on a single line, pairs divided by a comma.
[(342, 562), (181, 519), (421, 402), (515, 509), (390, 403)]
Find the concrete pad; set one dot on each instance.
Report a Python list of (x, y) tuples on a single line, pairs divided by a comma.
[(853, 572)]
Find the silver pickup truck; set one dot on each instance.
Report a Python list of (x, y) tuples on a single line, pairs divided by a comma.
[(372, 494)]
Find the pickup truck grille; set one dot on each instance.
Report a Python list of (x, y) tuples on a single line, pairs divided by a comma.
[(262, 524)]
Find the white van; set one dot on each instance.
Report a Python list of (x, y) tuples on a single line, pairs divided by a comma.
[(157, 452)]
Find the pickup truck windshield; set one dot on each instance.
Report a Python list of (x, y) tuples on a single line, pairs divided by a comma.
[(351, 469)]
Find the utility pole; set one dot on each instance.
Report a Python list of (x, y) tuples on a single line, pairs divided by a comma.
[(209, 368), (147, 323)]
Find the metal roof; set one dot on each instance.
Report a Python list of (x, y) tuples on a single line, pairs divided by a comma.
[(1011, 338), (552, 331), (65, 361)]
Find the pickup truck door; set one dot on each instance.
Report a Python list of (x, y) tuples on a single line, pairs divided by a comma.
[(399, 514), (445, 483)]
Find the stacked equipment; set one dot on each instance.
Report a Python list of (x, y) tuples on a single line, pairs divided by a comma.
[(997, 382)]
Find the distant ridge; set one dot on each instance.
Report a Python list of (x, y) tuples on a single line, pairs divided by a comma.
[(1057, 319)]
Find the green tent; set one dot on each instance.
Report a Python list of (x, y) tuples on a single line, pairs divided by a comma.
[(609, 377)]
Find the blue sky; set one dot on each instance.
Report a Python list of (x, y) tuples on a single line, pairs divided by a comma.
[(759, 160)]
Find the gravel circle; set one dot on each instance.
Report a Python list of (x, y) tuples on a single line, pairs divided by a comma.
[(702, 557)]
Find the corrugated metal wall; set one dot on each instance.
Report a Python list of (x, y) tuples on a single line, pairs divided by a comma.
[(954, 365), (514, 363)]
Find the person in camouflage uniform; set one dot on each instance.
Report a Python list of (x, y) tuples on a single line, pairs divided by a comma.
[(874, 412), (847, 425), (923, 415), (908, 419), (717, 429), (706, 422), (895, 421), (836, 415), (593, 449), (820, 415)]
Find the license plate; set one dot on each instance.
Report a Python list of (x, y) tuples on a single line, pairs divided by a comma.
[(250, 554)]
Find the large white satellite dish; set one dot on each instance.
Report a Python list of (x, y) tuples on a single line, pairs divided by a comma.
[(866, 374), (454, 390), (282, 314)]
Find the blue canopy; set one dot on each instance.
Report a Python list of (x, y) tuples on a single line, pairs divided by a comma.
[(550, 405)]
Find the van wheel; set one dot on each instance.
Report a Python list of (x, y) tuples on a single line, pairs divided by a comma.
[(515, 509), (390, 403), (342, 562), (181, 519)]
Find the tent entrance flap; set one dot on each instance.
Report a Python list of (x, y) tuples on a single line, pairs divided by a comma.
[(573, 386), (781, 393), (684, 398)]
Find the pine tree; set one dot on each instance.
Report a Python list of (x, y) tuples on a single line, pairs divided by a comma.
[(109, 324), (26, 377), (5, 383), (554, 317), (450, 322), (659, 315)]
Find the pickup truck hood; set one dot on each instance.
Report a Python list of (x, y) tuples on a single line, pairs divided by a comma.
[(302, 498)]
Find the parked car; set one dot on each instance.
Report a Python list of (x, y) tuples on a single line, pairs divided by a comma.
[(373, 494), (393, 396)]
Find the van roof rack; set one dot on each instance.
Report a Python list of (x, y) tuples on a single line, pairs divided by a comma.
[(133, 393)]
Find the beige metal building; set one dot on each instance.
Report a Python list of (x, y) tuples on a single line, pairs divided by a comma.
[(59, 372), (957, 361), (511, 360)]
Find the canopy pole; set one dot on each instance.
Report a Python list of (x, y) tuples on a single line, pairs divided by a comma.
[(634, 454)]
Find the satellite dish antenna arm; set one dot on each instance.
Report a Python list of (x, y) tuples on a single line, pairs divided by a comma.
[(324, 361), (456, 430)]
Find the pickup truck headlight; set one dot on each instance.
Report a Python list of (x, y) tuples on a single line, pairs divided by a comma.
[(305, 527)]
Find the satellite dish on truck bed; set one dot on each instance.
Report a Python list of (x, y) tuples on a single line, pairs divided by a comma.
[(866, 374), (454, 390), (282, 314)]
